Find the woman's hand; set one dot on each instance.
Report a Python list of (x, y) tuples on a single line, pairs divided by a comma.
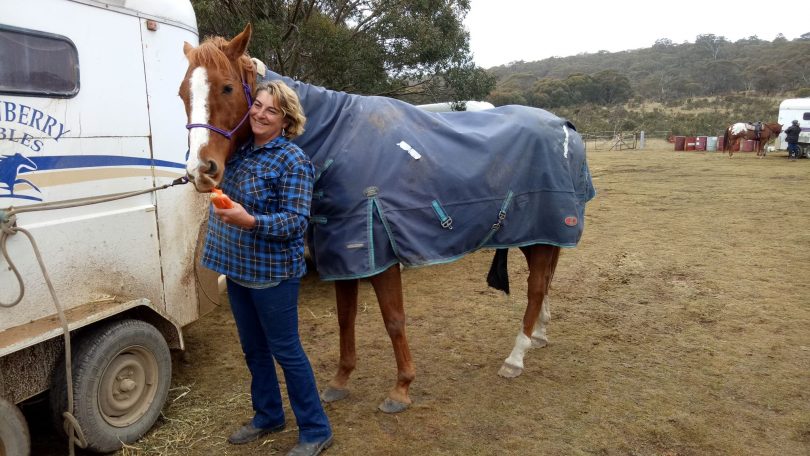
[(237, 215)]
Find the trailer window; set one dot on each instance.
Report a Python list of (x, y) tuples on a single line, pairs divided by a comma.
[(806, 116), (37, 63)]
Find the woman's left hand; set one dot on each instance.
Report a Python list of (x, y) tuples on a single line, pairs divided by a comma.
[(237, 215)]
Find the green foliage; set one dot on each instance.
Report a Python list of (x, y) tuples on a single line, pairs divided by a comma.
[(667, 71), (691, 85), (412, 49)]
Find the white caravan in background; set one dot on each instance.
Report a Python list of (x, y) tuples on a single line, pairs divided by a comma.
[(89, 107), (796, 109), (470, 105)]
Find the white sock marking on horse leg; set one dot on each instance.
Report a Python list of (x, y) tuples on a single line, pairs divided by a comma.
[(539, 338), (565, 143), (198, 137), (522, 345)]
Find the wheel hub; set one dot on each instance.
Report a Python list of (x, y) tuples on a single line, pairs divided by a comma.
[(127, 386)]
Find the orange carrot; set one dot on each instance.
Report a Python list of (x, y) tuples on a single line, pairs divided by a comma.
[(220, 199)]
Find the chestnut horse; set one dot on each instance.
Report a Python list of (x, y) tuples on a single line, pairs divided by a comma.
[(740, 131), (217, 91)]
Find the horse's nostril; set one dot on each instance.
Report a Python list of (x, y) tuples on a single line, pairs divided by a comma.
[(212, 168)]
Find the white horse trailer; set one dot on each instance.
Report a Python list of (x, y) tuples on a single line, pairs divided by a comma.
[(89, 107), (796, 109), (470, 105)]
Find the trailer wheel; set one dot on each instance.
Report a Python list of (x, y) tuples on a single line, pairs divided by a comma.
[(121, 376), (14, 437)]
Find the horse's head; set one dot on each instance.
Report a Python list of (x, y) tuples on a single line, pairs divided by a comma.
[(216, 91), (775, 128)]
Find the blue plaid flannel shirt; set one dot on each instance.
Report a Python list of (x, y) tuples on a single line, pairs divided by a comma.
[(274, 184)]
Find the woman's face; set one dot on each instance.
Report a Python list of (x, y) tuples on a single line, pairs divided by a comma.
[(266, 119)]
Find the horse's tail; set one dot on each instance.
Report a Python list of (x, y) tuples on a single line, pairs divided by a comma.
[(498, 277), (726, 145)]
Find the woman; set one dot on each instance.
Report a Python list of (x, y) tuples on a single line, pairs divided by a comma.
[(259, 246)]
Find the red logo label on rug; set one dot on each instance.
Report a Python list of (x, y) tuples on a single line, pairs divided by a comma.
[(571, 220)]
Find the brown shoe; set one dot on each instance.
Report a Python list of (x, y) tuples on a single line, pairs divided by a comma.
[(249, 433), (310, 449)]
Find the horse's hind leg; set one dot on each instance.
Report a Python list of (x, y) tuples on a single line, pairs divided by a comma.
[(542, 261), (346, 299), (388, 287), (539, 337)]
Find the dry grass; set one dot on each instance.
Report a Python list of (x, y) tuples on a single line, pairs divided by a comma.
[(680, 326)]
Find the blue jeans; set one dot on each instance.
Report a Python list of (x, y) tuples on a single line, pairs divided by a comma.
[(267, 320), (793, 149)]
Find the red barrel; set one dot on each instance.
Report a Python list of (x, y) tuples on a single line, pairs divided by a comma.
[(700, 144), (679, 142), (747, 145), (691, 142)]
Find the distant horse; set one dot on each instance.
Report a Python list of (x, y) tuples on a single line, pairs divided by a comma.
[(399, 185), (740, 131)]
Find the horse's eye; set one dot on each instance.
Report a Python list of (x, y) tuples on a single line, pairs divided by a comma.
[(227, 89)]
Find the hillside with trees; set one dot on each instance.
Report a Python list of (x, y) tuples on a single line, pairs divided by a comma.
[(410, 49), (689, 88)]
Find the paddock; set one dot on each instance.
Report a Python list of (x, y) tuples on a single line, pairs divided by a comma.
[(679, 326)]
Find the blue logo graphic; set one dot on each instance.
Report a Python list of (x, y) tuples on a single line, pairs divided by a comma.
[(10, 168)]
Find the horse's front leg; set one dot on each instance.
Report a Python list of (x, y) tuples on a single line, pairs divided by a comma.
[(346, 299), (388, 288), (542, 260)]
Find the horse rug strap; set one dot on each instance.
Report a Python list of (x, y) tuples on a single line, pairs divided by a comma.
[(400, 184)]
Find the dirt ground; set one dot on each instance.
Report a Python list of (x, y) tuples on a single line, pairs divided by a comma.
[(680, 326)]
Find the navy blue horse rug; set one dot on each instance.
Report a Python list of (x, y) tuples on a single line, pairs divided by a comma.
[(395, 183)]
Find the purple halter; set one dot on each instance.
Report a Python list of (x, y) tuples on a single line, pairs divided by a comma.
[(224, 133)]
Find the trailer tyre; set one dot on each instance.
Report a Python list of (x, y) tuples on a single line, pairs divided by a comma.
[(14, 437), (121, 376)]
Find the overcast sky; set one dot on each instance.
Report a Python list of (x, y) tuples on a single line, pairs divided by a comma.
[(503, 31)]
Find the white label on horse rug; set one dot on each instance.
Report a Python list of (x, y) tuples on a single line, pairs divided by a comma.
[(411, 151)]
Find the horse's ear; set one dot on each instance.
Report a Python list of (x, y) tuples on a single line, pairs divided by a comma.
[(238, 45), (187, 47)]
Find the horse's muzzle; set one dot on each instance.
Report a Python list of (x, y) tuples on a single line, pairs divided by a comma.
[(206, 180)]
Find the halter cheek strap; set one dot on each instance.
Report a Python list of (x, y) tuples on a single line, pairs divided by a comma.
[(229, 134)]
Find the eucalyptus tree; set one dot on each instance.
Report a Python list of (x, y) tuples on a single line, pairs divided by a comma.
[(412, 49)]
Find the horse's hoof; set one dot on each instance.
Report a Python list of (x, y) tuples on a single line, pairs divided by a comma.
[(331, 394), (510, 371), (539, 343), (391, 406)]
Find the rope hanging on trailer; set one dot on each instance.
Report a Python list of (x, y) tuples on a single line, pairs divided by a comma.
[(8, 228)]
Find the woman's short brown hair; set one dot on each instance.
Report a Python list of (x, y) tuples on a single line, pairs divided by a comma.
[(289, 104)]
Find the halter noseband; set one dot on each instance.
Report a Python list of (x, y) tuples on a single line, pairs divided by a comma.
[(224, 133)]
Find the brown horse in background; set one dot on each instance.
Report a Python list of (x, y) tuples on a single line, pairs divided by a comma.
[(740, 131)]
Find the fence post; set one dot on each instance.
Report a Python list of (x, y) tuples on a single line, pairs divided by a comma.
[(641, 140)]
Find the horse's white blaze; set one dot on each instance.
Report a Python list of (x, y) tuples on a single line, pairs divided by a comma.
[(737, 128), (522, 345), (197, 137), (565, 143)]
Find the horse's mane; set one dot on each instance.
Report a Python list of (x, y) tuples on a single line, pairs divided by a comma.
[(209, 52)]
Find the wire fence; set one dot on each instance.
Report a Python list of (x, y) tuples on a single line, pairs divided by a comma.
[(621, 140)]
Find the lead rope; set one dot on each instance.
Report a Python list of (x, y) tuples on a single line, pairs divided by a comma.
[(8, 228)]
